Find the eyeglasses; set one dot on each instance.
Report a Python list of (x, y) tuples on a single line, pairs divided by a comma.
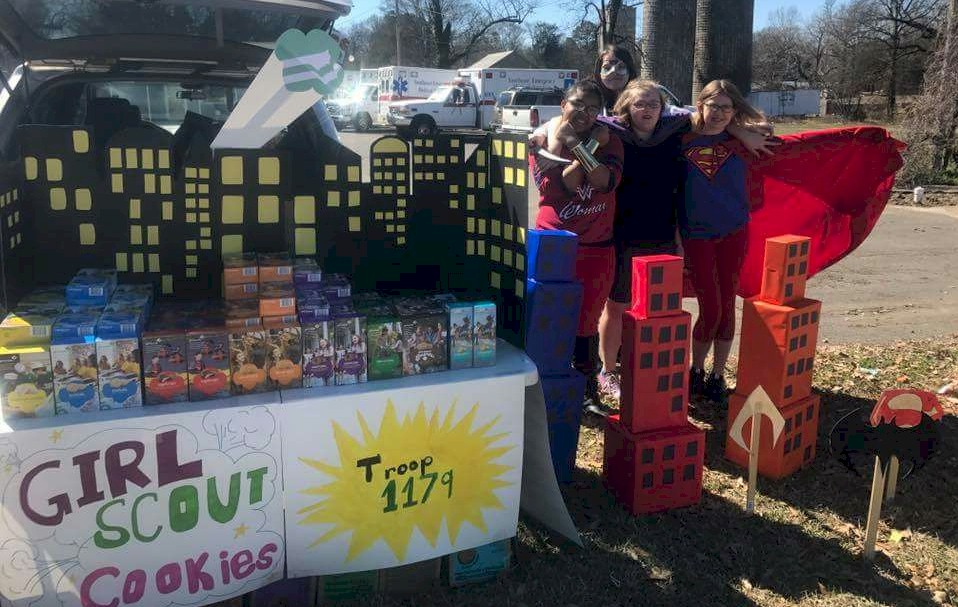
[(654, 105), (578, 106), (726, 109)]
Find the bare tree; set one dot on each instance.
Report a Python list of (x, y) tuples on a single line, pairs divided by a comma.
[(456, 27), (903, 28), (784, 51), (931, 124)]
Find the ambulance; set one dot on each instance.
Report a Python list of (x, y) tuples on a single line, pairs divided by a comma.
[(468, 99)]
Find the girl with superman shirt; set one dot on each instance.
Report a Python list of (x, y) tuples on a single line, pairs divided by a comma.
[(645, 218)]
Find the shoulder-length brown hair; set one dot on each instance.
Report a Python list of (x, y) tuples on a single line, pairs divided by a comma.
[(622, 55), (745, 113), (630, 93)]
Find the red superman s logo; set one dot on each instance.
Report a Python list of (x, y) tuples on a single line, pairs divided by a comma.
[(709, 158)]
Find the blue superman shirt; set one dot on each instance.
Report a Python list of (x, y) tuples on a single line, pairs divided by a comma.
[(716, 196)]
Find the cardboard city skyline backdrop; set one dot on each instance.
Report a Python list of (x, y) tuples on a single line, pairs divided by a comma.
[(164, 212)]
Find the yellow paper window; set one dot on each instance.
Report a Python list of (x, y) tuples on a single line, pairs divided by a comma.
[(268, 209), (81, 142), (83, 198), (232, 243), (305, 241), (87, 234), (304, 209), (54, 169), (269, 171), (232, 209), (58, 199), (232, 170)]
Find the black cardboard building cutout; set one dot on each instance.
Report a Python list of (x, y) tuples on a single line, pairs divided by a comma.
[(164, 211)]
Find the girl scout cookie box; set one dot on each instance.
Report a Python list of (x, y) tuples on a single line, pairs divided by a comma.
[(319, 354), (118, 359), (208, 361), (91, 287), (249, 356), (164, 361), (73, 355), (26, 382), (482, 564), (29, 326)]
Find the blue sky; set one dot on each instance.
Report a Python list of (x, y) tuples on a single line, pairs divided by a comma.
[(547, 9)]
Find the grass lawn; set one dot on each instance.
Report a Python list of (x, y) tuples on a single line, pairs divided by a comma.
[(803, 548), (787, 126)]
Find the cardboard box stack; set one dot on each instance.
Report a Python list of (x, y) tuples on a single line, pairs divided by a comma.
[(553, 298), (777, 352), (653, 456)]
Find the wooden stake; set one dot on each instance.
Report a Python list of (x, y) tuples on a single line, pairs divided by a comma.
[(753, 462), (874, 510), (892, 479)]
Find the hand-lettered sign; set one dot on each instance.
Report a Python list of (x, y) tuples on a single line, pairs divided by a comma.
[(180, 509), (398, 477)]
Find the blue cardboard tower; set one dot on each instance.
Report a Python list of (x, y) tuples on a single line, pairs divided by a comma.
[(553, 299)]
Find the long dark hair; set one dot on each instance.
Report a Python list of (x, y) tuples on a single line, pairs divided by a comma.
[(623, 55)]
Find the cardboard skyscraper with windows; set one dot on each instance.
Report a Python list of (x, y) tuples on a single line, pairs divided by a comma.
[(553, 300), (777, 352), (653, 456)]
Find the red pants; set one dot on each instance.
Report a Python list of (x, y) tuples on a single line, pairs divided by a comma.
[(595, 269), (714, 266)]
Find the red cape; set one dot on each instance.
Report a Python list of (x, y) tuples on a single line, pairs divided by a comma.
[(829, 185)]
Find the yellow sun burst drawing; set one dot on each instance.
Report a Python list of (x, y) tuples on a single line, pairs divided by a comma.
[(455, 487)]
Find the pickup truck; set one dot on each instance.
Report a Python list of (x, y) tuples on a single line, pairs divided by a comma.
[(523, 110)]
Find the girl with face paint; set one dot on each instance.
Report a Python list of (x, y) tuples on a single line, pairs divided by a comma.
[(614, 68)]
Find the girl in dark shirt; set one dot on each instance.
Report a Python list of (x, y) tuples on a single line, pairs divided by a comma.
[(645, 222)]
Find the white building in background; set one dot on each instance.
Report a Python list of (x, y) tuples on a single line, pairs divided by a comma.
[(796, 102)]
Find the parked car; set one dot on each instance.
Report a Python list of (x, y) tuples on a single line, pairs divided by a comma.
[(523, 109), (114, 64)]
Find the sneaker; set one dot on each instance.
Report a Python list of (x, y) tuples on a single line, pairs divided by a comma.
[(696, 382), (715, 389), (609, 386)]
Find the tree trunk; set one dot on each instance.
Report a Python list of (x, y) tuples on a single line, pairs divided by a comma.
[(441, 33), (668, 39), (723, 43), (891, 95), (944, 140)]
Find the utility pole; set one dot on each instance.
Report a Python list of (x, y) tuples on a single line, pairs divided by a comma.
[(398, 39)]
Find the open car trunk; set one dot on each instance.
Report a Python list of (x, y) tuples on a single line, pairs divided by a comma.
[(220, 31)]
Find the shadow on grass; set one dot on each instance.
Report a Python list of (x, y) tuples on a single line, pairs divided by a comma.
[(925, 500)]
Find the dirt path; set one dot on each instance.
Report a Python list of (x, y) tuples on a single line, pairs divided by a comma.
[(902, 283)]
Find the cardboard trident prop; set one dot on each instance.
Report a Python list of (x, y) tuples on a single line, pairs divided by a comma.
[(757, 404)]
